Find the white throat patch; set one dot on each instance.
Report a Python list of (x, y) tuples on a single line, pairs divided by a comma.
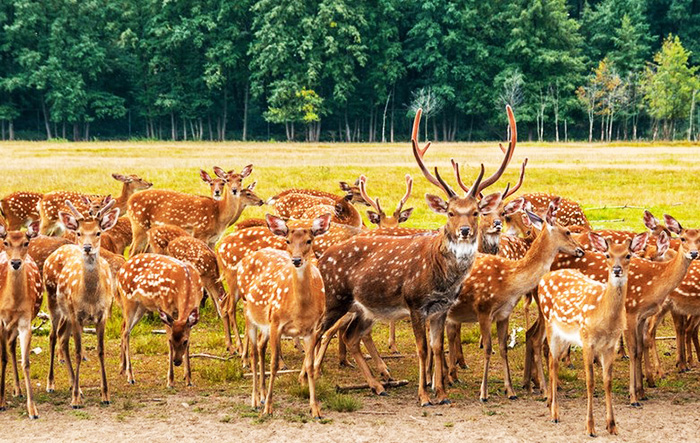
[(463, 250)]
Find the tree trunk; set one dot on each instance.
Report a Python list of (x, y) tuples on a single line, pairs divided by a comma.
[(590, 127), (87, 131), (445, 136), (690, 119), (348, 137), (3, 129), (211, 133), (386, 106), (47, 125), (245, 112), (63, 130), (370, 129), (393, 95), (184, 129), (435, 130), (173, 128), (566, 133), (224, 117)]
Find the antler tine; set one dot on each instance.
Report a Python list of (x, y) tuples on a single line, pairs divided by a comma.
[(362, 183), (509, 152), (505, 192), (409, 188), (448, 190), (110, 204), (474, 191), (418, 154), (520, 181), (461, 184), (76, 214)]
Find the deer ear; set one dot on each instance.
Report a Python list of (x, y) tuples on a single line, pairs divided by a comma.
[(165, 317), (662, 244), (193, 318), (405, 214), (551, 216), (68, 221), (86, 201), (514, 206), (436, 204), (108, 220), (650, 221), (205, 176), (121, 178), (489, 203), (672, 224), (33, 229), (246, 171), (345, 187), (373, 217), (3, 231), (220, 172), (251, 186), (535, 219), (639, 242), (321, 225), (276, 225), (598, 243)]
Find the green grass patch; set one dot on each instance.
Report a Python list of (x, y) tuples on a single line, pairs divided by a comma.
[(343, 403)]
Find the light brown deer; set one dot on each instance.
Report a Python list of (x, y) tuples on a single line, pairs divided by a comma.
[(570, 212), (53, 202), (577, 310), (160, 236), (205, 217), (21, 294), (378, 216), (284, 296), (342, 212), (239, 244), (389, 277), (292, 203), (495, 287), (79, 285), (157, 283), (20, 209)]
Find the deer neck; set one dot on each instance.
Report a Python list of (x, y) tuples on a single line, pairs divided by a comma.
[(301, 285), (238, 209), (673, 272), (16, 284), (453, 257), (123, 198), (538, 259), (227, 207), (91, 272), (611, 307), (489, 243)]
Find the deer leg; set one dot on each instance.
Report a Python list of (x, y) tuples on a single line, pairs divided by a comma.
[(621, 349), (232, 316), (502, 327), (376, 358), (641, 327), (696, 341), (534, 338), (437, 340), (527, 301), (262, 350), (328, 336), (100, 330), (17, 391), (485, 326), (50, 380), (343, 361), (131, 318), (171, 369), (606, 360), (679, 323), (392, 338), (418, 323), (274, 365), (590, 386), (76, 400), (459, 350), (139, 242), (25, 342), (653, 324), (309, 349), (3, 357), (356, 329), (64, 334), (556, 352), (453, 337), (253, 339), (631, 339), (188, 368)]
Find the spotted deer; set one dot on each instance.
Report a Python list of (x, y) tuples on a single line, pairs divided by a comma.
[(21, 294), (205, 217), (239, 244), (53, 202), (342, 212), (79, 285), (388, 277), (378, 216), (160, 236), (292, 203), (20, 209), (157, 283), (495, 286), (577, 310), (570, 212), (284, 295)]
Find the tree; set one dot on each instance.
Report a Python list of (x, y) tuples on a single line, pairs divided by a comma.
[(429, 102), (289, 106), (669, 85)]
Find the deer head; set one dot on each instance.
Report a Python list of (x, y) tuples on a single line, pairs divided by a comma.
[(618, 255), (132, 180), (16, 244), (378, 216), (89, 231), (234, 178), (299, 240), (179, 332), (217, 185), (690, 238)]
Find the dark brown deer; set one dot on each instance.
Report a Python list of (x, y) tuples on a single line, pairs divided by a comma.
[(389, 277)]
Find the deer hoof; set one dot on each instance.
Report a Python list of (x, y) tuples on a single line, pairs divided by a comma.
[(513, 397), (106, 403), (555, 420), (445, 402), (592, 435), (426, 404), (34, 417), (636, 404), (483, 400), (76, 406), (383, 394)]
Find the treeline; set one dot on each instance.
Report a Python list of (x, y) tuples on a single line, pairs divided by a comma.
[(342, 70)]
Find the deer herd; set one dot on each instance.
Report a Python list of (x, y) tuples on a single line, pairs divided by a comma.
[(311, 270)]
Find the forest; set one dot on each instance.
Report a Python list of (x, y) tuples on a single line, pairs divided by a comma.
[(341, 70)]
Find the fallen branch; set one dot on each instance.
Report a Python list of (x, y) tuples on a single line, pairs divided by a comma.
[(615, 207), (213, 357), (386, 384), (160, 332), (44, 317), (375, 412), (283, 371), (89, 331), (614, 220), (673, 337), (385, 357)]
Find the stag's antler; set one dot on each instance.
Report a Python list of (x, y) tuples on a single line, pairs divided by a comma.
[(409, 188), (362, 183), (508, 152)]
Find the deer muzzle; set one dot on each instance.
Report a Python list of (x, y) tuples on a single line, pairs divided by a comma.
[(16, 264)]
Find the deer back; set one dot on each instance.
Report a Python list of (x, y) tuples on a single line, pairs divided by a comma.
[(196, 252), (569, 213), (118, 238), (20, 208), (160, 236), (41, 247)]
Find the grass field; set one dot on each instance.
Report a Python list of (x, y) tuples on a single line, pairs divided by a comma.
[(663, 179)]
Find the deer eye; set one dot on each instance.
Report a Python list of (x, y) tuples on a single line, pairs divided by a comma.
[(308, 242), (628, 256), (185, 342), (5, 243), (607, 255), (98, 234), (288, 242), (26, 244), (78, 234), (683, 239), (476, 213), (450, 214), (568, 233)]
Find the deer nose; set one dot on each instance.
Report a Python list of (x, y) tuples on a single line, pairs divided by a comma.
[(16, 263), (177, 362), (617, 271), (87, 248), (296, 261), (693, 254), (579, 252), (497, 224), (464, 231)]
